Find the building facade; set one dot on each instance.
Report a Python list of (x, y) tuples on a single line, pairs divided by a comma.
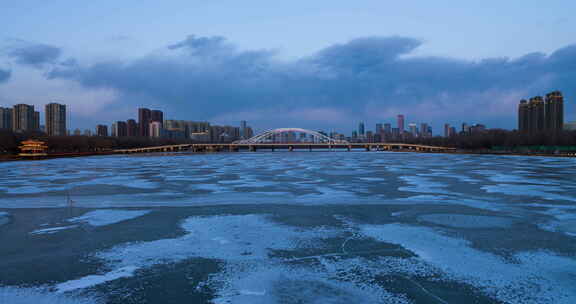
[(131, 128), (554, 108), (539, 115), (158, 116), (5, 118), (23, 118), (55, 119), (156, 129), (401, 124), (120, 129), (144, 119), (102, 130)]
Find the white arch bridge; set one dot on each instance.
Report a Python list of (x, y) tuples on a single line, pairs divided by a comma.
[(285, 139), (290, 135)]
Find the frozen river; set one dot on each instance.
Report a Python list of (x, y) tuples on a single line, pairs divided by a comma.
[(289, 227)]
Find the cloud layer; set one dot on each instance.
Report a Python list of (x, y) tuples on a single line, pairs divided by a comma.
[(32, 54), (371, 78), (4, 75)]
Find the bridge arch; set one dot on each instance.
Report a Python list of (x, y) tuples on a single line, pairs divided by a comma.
[(287, 135)]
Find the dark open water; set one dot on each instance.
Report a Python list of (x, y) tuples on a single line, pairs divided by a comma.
[(340, 227)]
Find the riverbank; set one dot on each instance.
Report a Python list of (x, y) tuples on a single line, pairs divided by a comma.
[(82, 154)]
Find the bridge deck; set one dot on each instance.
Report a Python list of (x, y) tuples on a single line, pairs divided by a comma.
[(290, 146)]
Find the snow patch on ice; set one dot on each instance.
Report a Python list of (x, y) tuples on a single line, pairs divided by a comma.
[(93, 280), (4, 218), (238, 237), (105, 217), (276, 283), (535, 279), (19, 295), (52, 230), (466, 221)]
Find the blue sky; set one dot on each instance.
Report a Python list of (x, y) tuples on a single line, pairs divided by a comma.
[(314, 64)]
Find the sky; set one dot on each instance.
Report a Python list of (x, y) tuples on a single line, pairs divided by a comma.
[(323, 65)]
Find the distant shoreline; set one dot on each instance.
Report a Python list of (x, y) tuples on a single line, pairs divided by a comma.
[(4, 158)]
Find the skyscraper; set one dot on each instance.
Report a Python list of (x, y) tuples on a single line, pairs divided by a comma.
[(155, 129), (537, 114), (144, 118), (361, 130), (387, 128), (401, 124), (120, 129), (23, 118), (55, 119), (5, 118), (36, 121), (131, 128), (424, 130), (446, 130), (157, 115), (524, 116), (102, 130), (243, 126), (413, 129), (554, 108), (379, 128)]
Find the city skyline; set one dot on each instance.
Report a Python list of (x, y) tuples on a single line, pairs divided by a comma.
[(371, 73)]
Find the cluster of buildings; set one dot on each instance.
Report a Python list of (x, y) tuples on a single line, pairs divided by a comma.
[(151, 123), (24, 118), (384, 132), (539, 115), (466, 129)]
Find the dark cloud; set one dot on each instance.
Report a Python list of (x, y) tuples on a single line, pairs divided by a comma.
[(4, 75), (32, 54), (204, 77)]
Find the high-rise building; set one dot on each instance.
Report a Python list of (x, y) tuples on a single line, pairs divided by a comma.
[(87, 132), (554, 108), (379, 128), (157, 115), (23, 118), (131, 128), (387, 128), (413, 129), (354, 135), (55, 119), (244, 132), (102, 130), (524, 116), (36, 121), (5, 118), (401, 123), (120, 129), (192, 127), (77, 132), (446, 130), (452, 131), (424, 130), (537, 114), (155, 129), (144, 119), (369, 136), (361, 129)]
